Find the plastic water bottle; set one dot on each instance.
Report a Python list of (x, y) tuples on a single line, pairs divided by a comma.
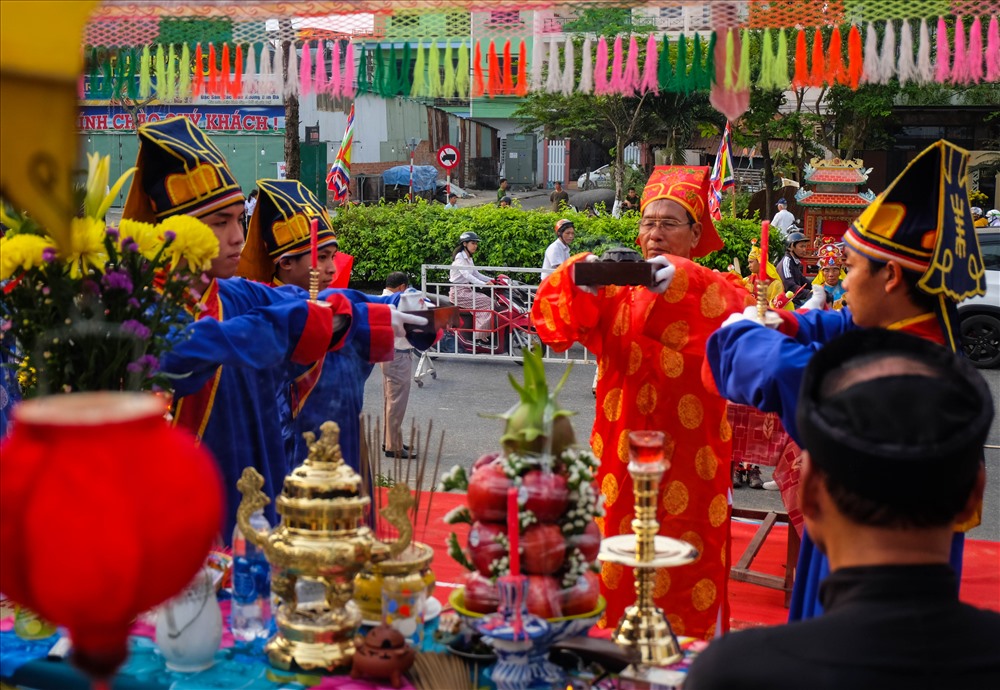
[(250, 616)]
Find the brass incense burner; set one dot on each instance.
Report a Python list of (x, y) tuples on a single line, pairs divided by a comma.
[(315, 554)]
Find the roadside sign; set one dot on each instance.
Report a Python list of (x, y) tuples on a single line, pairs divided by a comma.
[(448, 157)]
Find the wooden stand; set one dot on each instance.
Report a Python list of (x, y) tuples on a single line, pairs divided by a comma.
[(741, 571)]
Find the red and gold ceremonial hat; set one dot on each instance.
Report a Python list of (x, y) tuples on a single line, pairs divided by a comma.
[(687, 185), (923, 221), (829, 255), (279, 227), (179, 171)]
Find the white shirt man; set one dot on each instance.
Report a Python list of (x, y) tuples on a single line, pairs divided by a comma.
[(558, 251), (783, 219)]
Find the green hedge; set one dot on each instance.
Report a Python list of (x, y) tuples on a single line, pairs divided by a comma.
[(401, 237)]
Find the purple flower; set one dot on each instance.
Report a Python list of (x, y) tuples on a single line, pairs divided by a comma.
[(137, 329), (49, 254), (133, 302), (113, 233), (146, 363), (117, 280), (169, 236), (89, 287)]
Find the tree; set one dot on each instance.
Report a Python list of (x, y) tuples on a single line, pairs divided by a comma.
[(293, 153)]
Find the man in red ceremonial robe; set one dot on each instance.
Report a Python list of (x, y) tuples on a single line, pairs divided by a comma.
[(649, 344)]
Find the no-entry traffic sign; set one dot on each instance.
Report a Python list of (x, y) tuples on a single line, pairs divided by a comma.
[(448, 156)]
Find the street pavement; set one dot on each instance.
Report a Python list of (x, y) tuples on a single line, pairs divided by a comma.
[(466, 390)]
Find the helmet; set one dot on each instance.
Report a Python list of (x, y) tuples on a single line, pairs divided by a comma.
[(794, 236), (977, 212), (468, 237), (562, 225)]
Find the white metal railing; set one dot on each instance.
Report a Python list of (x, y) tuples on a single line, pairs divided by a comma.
[(510, 328)]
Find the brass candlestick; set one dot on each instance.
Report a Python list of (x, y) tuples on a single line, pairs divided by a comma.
[(761, 300), (644, 629), (313, 284), (314, 553)]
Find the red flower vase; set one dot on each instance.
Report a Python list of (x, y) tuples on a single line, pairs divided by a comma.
[(105, 511)]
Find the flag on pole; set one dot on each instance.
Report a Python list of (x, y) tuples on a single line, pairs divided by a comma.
[(338, 180), (722, 175)]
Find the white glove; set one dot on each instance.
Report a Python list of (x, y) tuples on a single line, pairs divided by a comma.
[(589, 289), (400, 319), (664, 274), (771, 319), (818, 299)]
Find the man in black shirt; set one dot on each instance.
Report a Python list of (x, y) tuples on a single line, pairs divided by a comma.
[(790, 267), (892, 614)]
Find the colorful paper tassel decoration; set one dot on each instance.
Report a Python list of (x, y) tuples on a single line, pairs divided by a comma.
[(522, 69), (433, 70), (378, 77), (494, 82), (617, 67), (403, 78), (630, 77), (975, 53), (462, 72), (887, 59), (417, 88), (145, 80), (250, 83), (960, 65), (553, 80), (731, 102), (817, 75), (569, 68), (267, 83), (728, 77), (709, 71), (333, 86), (779, 79), (835, 72), (171, 73), (291, 89), (993, 50), (507, 85), (478, 87), (906, 68), (801, 79), (766, 74), (743, 73), (161, 74), (305, 70), (448, 86), (695, 79), (650, 68), (925, 70), (855, 61), (213, 72), (320, 76), (587, 67), (871, 62), (184, 74), (601, 86), (278, 70), (347, 88), (537, 48), (943, 57), (225, 81)]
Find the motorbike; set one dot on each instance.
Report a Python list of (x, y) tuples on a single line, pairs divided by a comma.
[(510, 322)]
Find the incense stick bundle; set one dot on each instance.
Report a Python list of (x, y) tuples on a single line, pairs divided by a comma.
[(440, 672)]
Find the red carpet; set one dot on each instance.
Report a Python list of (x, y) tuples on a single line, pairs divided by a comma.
[(751, 605)]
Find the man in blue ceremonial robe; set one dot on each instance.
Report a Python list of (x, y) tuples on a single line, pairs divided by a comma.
[(911, 256), (229, 367)]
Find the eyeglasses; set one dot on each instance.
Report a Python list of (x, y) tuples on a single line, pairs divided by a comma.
[(665, 223)]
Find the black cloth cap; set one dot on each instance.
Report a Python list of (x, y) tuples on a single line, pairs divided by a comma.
[(895, 438)]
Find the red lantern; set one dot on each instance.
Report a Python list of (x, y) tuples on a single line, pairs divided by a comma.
[(105, 511)]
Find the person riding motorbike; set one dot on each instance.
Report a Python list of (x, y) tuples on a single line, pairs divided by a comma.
[(790, 266), (465, 277)]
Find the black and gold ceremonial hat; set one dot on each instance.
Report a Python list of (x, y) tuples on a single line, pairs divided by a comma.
[(875, 434), (279, 227), (179, 172)]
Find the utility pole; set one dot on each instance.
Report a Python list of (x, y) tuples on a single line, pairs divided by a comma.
[(412, 145), (293, 152)]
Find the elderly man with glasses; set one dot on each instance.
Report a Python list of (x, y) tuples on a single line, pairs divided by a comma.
[(649, 343)]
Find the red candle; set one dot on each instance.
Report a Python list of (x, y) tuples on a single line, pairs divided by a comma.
[(314, 242), (513, 531), (765, 231)]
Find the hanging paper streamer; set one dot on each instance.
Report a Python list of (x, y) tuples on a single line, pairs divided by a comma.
[(650, 68), (871, 63), (817, 75), (925, 70), (161, 74), (378, 78), (729, 77), (197, 73), (801, 79), (225, 82), (975, 69), (696, 78), (213, 72), (780, 78), (184, 74), (305, 70), (145, 80), (630, 78), (507, 84), (601, 86), (943, 71), (291, 89), (730, 101), (569, 68), (522, 69), (417, 88), (681, 84), (906, 68), (766, 74), (617, 68), (168, 90), (250, 83), (993, 50), (266, 80), (462, 72), (333, 87), (587, 67), (478, 87), (960, 66), (855, 61), (237, 84), (320, 76), (665, 72), (433, 71), (537, 48), (552, 83), (278, 71), (835, 73), (494, 83), (448, 87), (347, 83), (403, 79), (887, 60), (709, 71), (743, 75)]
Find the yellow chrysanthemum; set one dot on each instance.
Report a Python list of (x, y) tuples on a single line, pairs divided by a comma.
[(147, 236), (21, 253), (87, 246), (193, 242)]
